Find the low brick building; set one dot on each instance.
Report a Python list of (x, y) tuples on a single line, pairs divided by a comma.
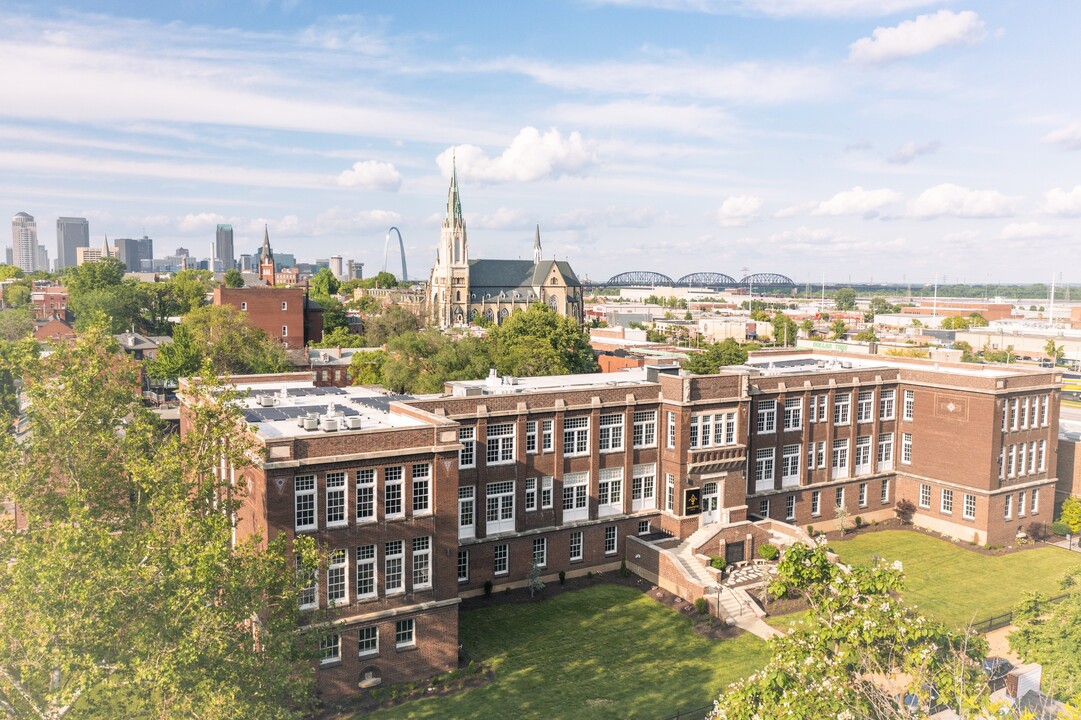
[(286, 314)]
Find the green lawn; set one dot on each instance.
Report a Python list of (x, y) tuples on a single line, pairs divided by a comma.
[(602, 652), (956, 585)]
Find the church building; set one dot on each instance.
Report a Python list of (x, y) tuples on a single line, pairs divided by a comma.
[(462, 290)]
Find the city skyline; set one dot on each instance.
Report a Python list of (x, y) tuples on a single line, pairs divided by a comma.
[(836, 139)]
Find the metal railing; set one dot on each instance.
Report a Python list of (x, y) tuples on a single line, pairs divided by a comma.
[(696, 714), (1000, 621)]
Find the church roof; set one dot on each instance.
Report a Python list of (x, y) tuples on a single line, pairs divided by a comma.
[(495, 276)]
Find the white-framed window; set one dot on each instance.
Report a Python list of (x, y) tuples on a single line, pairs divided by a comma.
[(767, 416), (610, 540), (1024, 420), (810, 456), (393, 506), (1011, 458), (816, 503), (946, 504), (422, 563), (925, 496), (1021, 504), (530, 494), (885, 491), (1022, 464), (1005, 415), (540, 552), (823, 400), (968, 508), (885, 451), (763, 507), (863, 455), (840, 458), (308, 597), (500, 444), (790, 507), (576, 546), (820, 453), (575, 496), (304, 503), (793, 413), (909, 409), (330, 649), (645, 428), (467, 456), (669, 492), (546, 492), (906, 448), (643, 527), (724, 428), (366, 575), (763, 469), (1002, 463), (839, 497), (336, 499), (369, 641), (405, 633), (644, 487), (366, 495), (1044, 402), (501, 555), (671, 439), (1032, 464), (862, 497), (790, 455), (285, 306), (531, 437), (466, 511), (393, 566), (337, 585), (546, 436), (575, 436), (1008, 511), (886, 401), (1043, 455), (610, 432), (842, 408), (243, 307), (463, 566), (1014, 403), (701, 431), (422, 488), (610, 492), (285, 331), (1035, 501), (499, 507), (817, 408), (865, 406)]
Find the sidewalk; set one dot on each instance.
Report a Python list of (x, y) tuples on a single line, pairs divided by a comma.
[(1073, 544)]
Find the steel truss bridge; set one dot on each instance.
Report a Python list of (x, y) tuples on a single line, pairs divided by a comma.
[(712, 280)]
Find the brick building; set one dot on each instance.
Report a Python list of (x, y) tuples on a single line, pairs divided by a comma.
[(286, 314), (420, 501)]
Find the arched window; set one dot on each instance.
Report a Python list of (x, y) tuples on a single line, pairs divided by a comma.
[(553, 281), (489, 315), (553, 302), (472, 315), (503, 315), (458, 296)]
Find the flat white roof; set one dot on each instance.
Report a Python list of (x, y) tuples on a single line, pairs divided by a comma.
[(814, 362), (496, 385)]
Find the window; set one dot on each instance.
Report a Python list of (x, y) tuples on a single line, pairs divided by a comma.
[(467, 456), (422, 563), (1043, 455), (576, 496), (728, 421), (243, 307), (422, 483), (610, 433), (839, 497), (816, 503), (610, 540), (285, 331), (394, 559), (366, 579), (818, 408), (369, 641), (1002, 463), (1032, 457), (810, 456), (546, 493), (530, 494), (330, 649), (865, 406), (909, 410), (540, 552), (308, 598), (500, 444), (466, 512), (1035, 502), (610, 492), (645, 429), (763, 469), (404, 635), (499, 507), (763, 507), (790, 465), (285, 306), (842, 406), (643, 527), (767, 415), (1005, 415), (820, 451), (500, 559), (1011, 460), (885, 491), (1043, 409), (576, 545), (392, 492), (925, 496), (304, 502), (1021, 459), (885, 451), (531, 437), (840, 458), (643, 487), (1008, 512), (863, 494), (863, 455), (1013, 413), (793, 413), (701, 431), (968, 509), (337, 591), (790, 507), (365, 495), (1024, 425), (669, 492), (671, 440), (946, 504), (575, 436), (546, 435), (1021, 504), (906, 448)]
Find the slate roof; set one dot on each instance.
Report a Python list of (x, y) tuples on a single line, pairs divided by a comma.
[(509, 276)]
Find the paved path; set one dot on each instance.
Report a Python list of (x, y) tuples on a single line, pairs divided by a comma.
[(1073, 545), (750, 574), (758, 626)]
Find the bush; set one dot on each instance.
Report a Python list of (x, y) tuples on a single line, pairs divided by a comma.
[(562, 577), (905, 510), (717, 562), (701, 605), (768, 552), (1037, 531), (589, 575), (487, 588), (811, 530), (1060, 528), (859, 521)]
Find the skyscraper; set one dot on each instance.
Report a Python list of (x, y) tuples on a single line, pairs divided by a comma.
[(71, 233), (24, 242), (134, 250), (223, 249), (42, 259)]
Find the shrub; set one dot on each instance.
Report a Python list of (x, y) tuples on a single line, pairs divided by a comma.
[(623, 571), (701, 605), (717, 562), (1060, 528), (589, 575), (905, 510), (768, 552), (1037, 531), (487, 588), (811, 530), (562, 577), (859, 521)]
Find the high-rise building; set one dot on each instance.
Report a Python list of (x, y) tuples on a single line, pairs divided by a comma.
[(71, 233), (336, 266), (182, 252), (134, 250), (94, 254), (24, 242), (223, 249), (246, 264), (42, 259)]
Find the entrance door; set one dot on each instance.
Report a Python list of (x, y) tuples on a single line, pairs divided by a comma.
[(710, 503)]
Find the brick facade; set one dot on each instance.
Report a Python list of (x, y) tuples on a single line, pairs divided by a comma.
[(283, 313)]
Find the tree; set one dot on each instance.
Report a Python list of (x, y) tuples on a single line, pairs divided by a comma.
[(1071, 513), (535, 582), (395, 321), (1054, 352), (189, 290), (8, 272), (714, 357), (540, 341), (838, 329), (323, 284), (967, 353), (333, 315), (421, 362), (16, 324), (233, 278), (15, 358), (366, 368), (17, 295), (104, 273), (845, 299), (1050, 634), (808, 327), (120, 304), (866, 335), (784, 329), (340, 337), (905, 510)]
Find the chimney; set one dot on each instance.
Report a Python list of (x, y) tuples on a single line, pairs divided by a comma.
[(1022, 679)]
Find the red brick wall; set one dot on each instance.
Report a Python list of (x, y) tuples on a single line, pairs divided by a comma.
[(264, 310)]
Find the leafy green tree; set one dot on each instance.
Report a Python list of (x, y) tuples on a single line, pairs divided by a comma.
[(845, 299), (395, 321), (867, 335), (15, 358), (784, 329), (189, 290), (967, 353), (808, 327), (366, 368), (119, 303), (1071, 513), (7, 272), (16, 324), (421, 362), (323, 284), (977, 320), (333, 314), (233, 278), (1050, 634), (1054, 352), (1000, 356), (838, 329), (99, 275), (540, 341), (340, 337), (716, 355), (17, 295)]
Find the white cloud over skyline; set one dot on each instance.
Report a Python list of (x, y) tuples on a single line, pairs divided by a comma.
[(919, 36)]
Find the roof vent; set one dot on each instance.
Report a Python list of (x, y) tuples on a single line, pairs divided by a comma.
[(353, 422), (266, 401), (328, 424)]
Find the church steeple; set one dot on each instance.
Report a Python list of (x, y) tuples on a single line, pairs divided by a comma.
[(105, 247), (537, 247), (454, 202), (266, 259), (453, 247), (266, 252)]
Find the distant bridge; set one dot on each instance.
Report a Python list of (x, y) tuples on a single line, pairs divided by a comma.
[(711, 280)]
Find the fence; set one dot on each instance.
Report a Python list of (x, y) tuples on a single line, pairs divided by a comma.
[(695, 714), (1000, 621)]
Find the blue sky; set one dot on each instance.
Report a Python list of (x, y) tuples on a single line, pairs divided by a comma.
[(883, 140)]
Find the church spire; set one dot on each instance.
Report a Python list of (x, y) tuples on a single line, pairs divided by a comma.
[(537, 247), (266, 252), (454, 202), (105, 247)]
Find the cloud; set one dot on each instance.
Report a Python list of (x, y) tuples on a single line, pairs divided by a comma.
[(1067, 137), (201, 221), (343, 221), (690, 119), (793, 210), (1032, 231), (530, 156), (503, 219), (922, 35), (957, 201), (1065, 203), (858, 201), (825, 242), (738, 210), (371, 175), (912, 150), (782, 8)]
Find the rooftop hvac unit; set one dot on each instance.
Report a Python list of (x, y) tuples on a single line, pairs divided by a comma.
[(266, 400), (311, 423), (328, 424), (353, 422)]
